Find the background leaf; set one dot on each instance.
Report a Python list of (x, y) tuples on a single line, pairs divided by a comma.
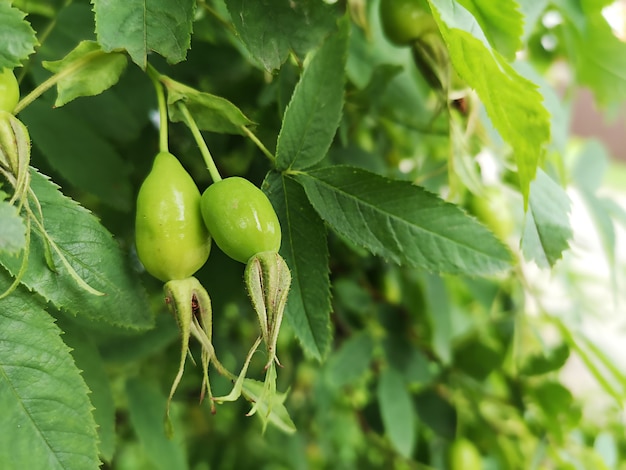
[(550, 360), (87, 358), (124, 349), (17, 38), (146, 405), (547, 230), (306, 253), (351, 361), (271, 28), (89, 71), (123, 112), (313, 114), (512, 102), (436, 412), (79, 153), (441, 318), (46, 414), (397, 411), (141, 26), (403, 222), (85, 242), (600, 58)]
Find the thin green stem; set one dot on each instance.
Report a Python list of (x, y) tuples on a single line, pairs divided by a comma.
[(155, 77), (204, 150), (227, 24), (48, 239), (259, 144)]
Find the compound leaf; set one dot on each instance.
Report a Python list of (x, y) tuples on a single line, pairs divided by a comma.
[(403, 222)]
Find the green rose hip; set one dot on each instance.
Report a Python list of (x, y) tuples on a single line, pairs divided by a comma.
[(404, 21), (240, 218), (172, 241)]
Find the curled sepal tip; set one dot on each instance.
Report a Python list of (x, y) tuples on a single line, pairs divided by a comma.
[(268, 278), (269, 407), (190, 304)]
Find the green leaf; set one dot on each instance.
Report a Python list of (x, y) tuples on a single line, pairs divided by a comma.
[(211, 113), (513, 103), (351, 361), (437, 413), (141, 26), (306, 253), (352, 296), (46, 415), (591, 163), (89, 362), (405, 99), (313, 114), (547, 230), (560, 111), (146, 406), (17, 38), (93, 253), (12, 228), (373, 93), (86, 71), (598, 56), (477, 357), (440, 314), (397, 412), (501, 23), (123, 111), (408, 360), (80, 154), (557, 406), (549, 361), (271, 28), (403, 222)]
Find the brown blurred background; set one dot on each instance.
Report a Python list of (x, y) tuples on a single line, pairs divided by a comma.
[(587, 121)]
